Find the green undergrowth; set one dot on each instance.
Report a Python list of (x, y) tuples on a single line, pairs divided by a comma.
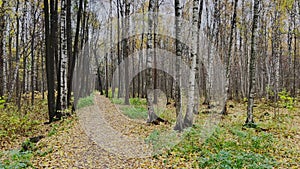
[(86, 101), (17, 123), (225, 148), (136, 110), (19, 126), (16, 159), (232, 145)]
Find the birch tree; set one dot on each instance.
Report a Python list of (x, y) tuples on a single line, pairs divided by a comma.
[(188, 120), (228, 62), (249, 121), (63, 58), (149, 80), (178, 90), (197, 74)]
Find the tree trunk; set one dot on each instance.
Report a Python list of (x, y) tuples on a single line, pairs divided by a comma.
[(75, 50), (149, 74), (251, 94), (49, 63), (69, 47), (197, 73), (126, 51), (188, 120), (206, 74), (16, 72), (63, 58), (118, 48), (2, 48), (178, 90), (33, 70), (228, 63)]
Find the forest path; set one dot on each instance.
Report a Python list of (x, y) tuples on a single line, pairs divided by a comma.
[(112, 130), (102, 137)]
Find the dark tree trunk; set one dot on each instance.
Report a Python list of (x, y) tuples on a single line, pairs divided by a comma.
[(69, 46), (2, 29), (49, 63), (228, 61), (75, 52), (126, 51)]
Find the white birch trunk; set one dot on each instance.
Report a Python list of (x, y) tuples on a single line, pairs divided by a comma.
[(64, 59), (188, 121), (178, 80), (149, 82), (252, 65)]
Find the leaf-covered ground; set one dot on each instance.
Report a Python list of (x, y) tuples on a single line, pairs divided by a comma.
[(69, 143)]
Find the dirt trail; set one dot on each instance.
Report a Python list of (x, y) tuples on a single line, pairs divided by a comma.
[(102, 138), (111, 130)]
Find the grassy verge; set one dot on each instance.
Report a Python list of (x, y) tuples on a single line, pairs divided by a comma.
[(86, 101), (136, 110)]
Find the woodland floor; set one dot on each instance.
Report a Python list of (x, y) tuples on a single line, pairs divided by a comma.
[(101, 136)]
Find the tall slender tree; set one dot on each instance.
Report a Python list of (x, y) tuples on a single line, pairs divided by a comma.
[(73, 57), (229, 56), (252, 66), (49, 62), (2, 30), (188, 120), (178, 80), (149, 74), (63, 61), (197, 73), (126, 51)]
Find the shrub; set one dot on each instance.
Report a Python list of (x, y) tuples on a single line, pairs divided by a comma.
[(286, 100)]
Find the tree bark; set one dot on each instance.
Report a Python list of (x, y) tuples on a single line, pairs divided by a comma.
[(228, 62), (75, 52), (16, 72), (2, 48), (63, 58), (197, 73), (126, 51), (49, 63), (149, 74), (251, 90), (188, 120), (178, 81)]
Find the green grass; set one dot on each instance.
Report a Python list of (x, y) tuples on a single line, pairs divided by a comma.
[(135, 112), (132, 101), (117, 100), (138, 101), (226, 148), (86, 101)]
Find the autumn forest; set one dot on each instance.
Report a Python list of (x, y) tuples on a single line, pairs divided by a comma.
[(149, 84)]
